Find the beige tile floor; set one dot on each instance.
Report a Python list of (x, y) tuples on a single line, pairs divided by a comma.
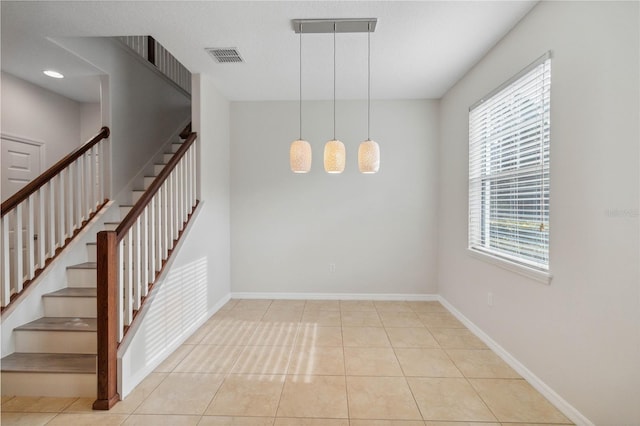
[(317, 363)]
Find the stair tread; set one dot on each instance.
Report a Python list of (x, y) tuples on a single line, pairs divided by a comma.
[(49, 363), (73, 292), (60, 324), (85, 265), (92, 244)]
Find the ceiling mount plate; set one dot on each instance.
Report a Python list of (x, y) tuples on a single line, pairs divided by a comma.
[(323, 26)]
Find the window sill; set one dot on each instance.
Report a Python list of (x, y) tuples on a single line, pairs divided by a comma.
[(534, 274)]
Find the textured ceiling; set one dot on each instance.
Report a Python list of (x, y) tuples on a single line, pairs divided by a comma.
[(419, 49)]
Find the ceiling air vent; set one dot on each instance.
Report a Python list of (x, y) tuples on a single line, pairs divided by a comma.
[(225, 55)]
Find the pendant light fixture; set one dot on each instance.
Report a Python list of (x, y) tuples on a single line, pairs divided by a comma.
[(369, 151), (300, 151), (334, 151)]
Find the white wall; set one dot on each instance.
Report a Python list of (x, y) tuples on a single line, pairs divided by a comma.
[(35, 113), (580, 334), (197, 282), (90, 120), (379, 230)]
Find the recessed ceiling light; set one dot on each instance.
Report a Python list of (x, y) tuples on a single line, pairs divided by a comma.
[(52, 73)]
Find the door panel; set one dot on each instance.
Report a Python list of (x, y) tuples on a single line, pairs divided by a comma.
[(20, 164)]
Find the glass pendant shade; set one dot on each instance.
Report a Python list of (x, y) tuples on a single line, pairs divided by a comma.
[(300, 156), (334, 156), (369, 157)]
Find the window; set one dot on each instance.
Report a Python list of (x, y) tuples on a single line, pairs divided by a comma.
[(509, 134)]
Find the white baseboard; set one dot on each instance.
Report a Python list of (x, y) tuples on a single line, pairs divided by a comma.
[(560, 403), (336, 296)]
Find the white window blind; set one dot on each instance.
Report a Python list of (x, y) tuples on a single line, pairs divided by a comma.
[(509, 135)]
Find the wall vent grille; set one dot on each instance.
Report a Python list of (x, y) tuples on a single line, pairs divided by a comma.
[(225, 55)]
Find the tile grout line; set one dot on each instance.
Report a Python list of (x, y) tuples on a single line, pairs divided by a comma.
[(344, 365), (415, 401), (284, 381)]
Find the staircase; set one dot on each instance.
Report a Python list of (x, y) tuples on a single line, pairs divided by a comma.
[(56, 355)]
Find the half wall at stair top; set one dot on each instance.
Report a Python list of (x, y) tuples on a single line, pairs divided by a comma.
[(141, 107)]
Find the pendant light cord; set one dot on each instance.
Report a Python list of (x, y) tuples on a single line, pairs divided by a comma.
[(334, 81), (369, 81)]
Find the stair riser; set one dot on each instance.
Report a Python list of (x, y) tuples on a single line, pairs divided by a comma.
[(92, 250), (157, 168), (82, 307), (81, 277), (58, 342), (167, 157), (175, 147), (49, 384), (147, 181)]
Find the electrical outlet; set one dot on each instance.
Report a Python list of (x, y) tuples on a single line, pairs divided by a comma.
[(332, 267), (489, 299)]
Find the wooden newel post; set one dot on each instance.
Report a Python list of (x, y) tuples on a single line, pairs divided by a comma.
[(107, 298)]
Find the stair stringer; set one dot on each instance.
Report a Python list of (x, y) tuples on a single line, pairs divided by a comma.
[(171, 313), (30, 305)]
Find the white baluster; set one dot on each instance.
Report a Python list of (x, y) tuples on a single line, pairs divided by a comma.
[(17, 250), (52, 217), (144, 251), (151, 226), (185, 185), (166, 219), (121, 267), (174, 205), (78, 191), (189, 180), (93, 202), (136, 264), (181, 192), (170, 204), (80, 172), (86, 180), (194, 184), (101, 171), (31, 263), (128, 279), (159, 237), (185, 180), (174, 216), (42, 233), (71, 223), (61, 210), (5, 291), (194, 177)]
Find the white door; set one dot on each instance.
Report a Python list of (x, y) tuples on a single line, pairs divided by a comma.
[(21, 163)]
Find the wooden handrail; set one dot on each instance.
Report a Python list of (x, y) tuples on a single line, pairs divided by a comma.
[(52, 171), (137, 209)]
